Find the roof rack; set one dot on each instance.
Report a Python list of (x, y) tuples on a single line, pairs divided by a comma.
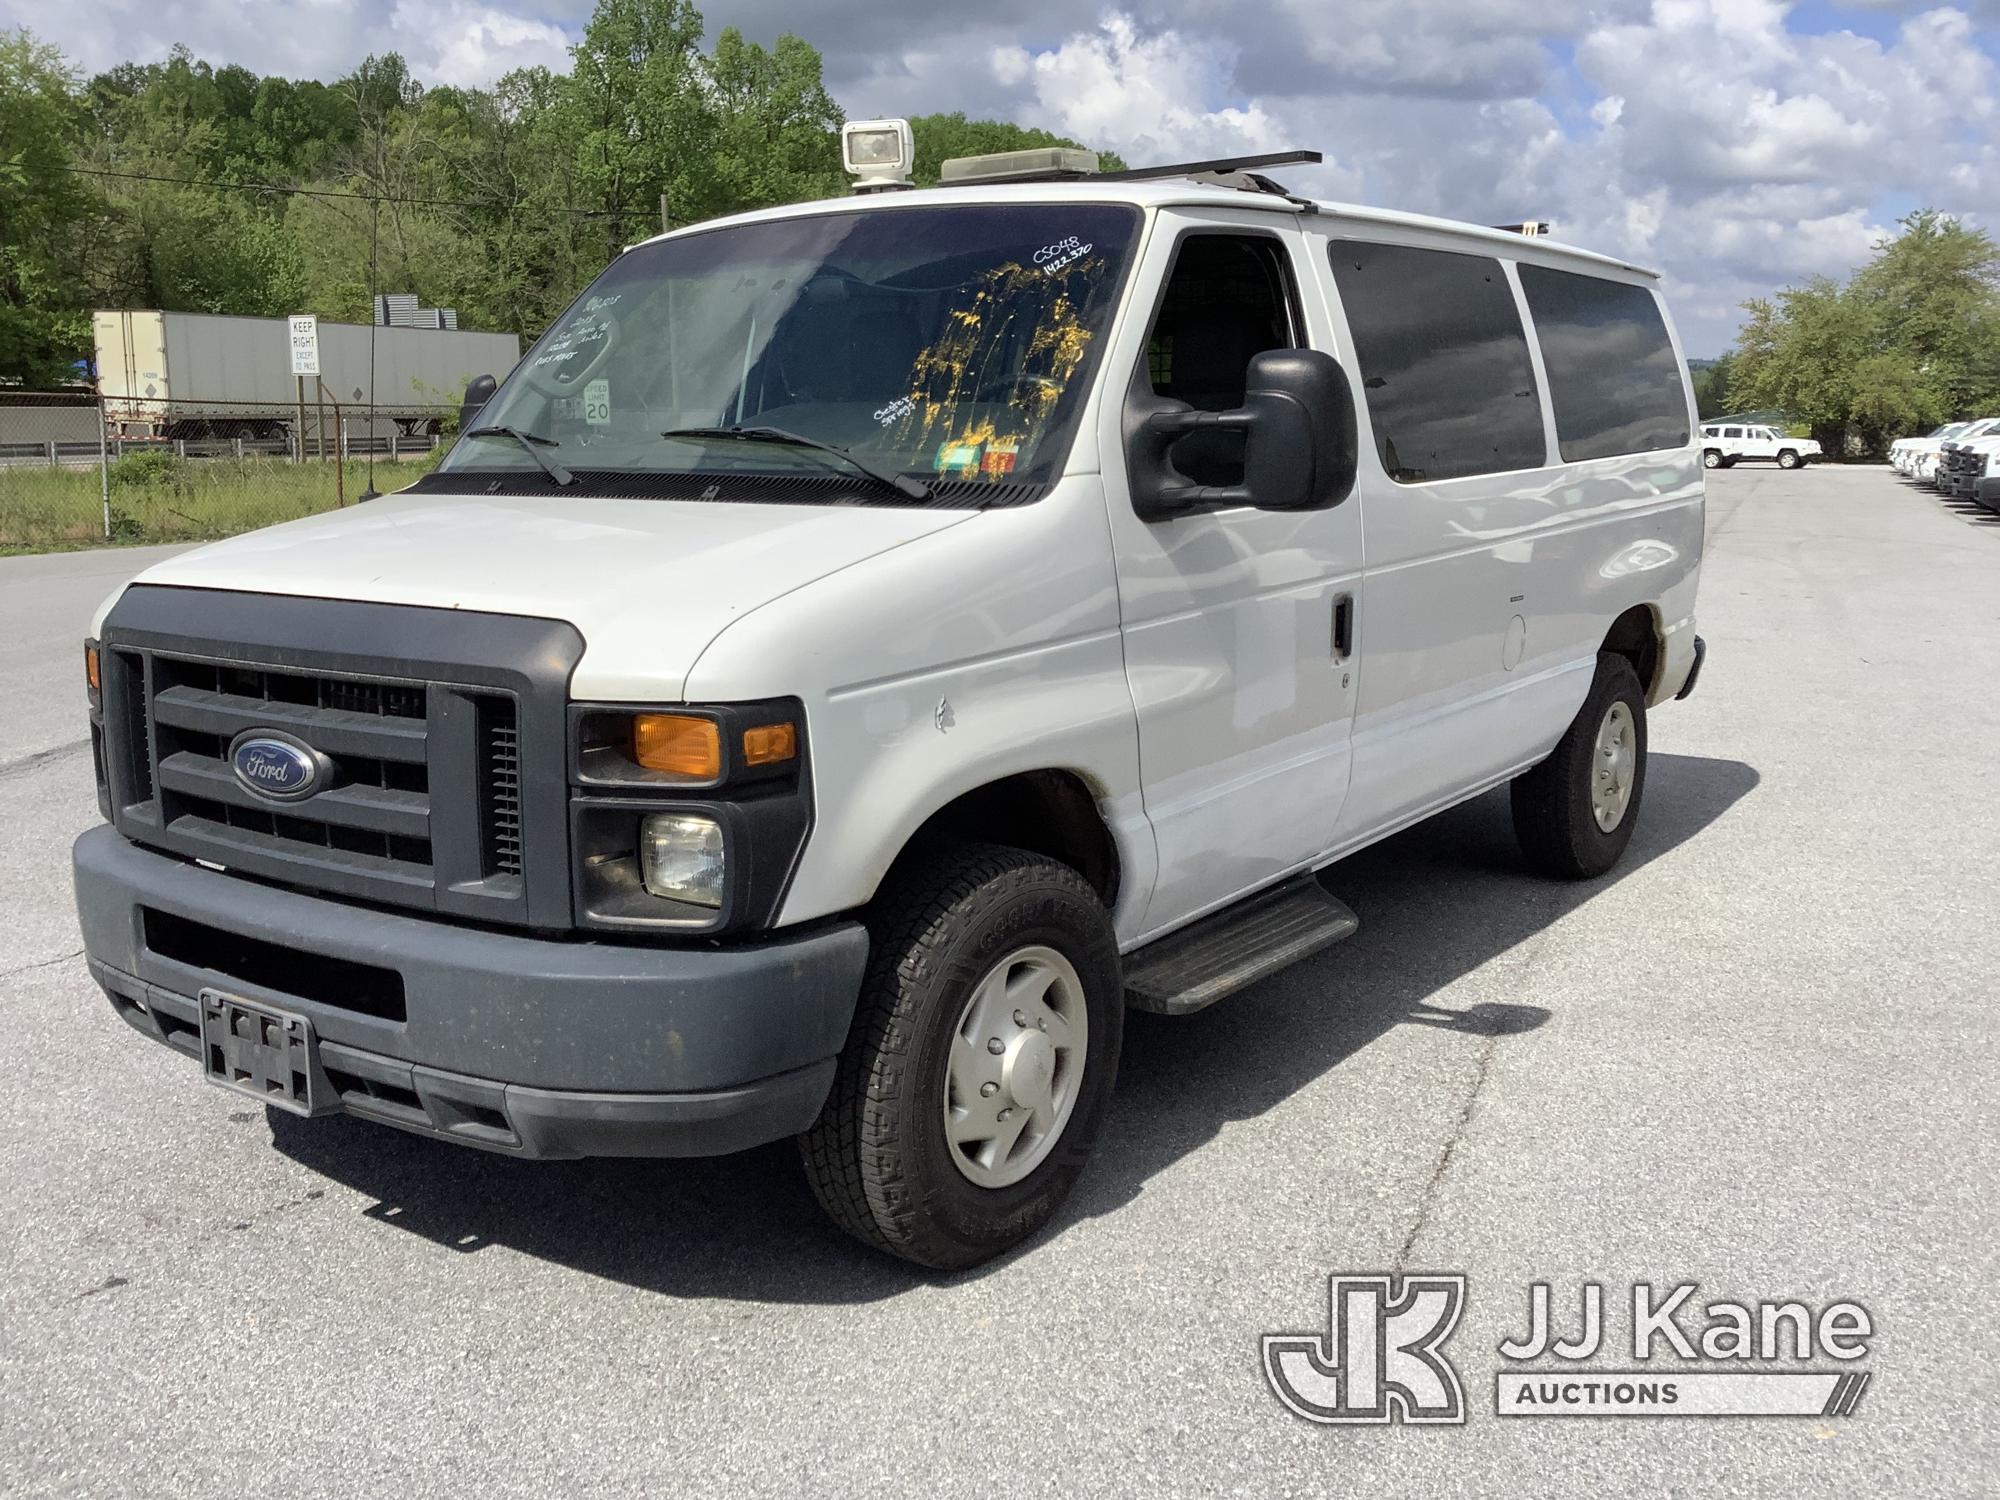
[(1240, 172), (1221, 166)]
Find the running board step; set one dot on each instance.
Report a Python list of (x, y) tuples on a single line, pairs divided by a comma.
[(1191, 969)]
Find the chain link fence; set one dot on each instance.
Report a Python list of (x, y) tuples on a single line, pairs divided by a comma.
[(77, 471)]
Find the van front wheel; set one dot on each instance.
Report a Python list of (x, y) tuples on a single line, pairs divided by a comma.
[(980, 1062), (1574, 813)]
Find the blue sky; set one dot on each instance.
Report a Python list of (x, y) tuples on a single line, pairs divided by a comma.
[(1739, 145)]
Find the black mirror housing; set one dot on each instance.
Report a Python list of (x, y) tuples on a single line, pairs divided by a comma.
[(1299, 453), (1299, 439), (478, 391)]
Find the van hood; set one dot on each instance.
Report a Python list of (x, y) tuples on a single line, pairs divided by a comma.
[(648, 583)]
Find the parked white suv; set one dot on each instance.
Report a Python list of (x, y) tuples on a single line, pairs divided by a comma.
[(865, 645), (1726, 443)]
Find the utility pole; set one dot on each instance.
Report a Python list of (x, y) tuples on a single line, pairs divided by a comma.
[(665, 225)]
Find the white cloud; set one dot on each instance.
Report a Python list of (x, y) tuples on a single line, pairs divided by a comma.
[(467, 44), (1153, 97)]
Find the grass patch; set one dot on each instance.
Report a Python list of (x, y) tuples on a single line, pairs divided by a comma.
[(156, 497)]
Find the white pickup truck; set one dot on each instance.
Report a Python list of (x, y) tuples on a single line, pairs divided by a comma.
[(866, 645), (1724, 444), (1918, 458)]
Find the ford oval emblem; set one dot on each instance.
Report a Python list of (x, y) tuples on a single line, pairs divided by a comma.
[(276, 766)]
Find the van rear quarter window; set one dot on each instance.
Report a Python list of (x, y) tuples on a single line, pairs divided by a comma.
[(1444, 361), (1614, 379)]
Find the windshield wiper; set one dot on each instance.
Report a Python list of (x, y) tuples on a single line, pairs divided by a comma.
[(532, 444), (902, 484)]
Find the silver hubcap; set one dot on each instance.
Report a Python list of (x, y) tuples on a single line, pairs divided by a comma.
[(1614, 766), (1017, 1060)]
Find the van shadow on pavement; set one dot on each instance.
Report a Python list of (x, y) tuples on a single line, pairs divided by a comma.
[(1435, 902)]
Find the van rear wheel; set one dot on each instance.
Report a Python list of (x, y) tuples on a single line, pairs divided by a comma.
[(981, 1059), (1574, 813)]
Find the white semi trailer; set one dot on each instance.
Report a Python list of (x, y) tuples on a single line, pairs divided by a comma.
[(204, 375)]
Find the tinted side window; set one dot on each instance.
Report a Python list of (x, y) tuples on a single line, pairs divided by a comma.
[(1444, 362), (1614, 379), (1229, 297)]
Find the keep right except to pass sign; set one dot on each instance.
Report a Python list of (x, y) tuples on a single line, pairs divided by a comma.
[(305, 344)]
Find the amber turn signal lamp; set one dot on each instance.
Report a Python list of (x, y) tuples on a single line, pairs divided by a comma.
[(91, 671), (678, 744), (769, 744)]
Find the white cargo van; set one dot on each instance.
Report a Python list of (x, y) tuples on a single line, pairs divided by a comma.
[(868, 644)]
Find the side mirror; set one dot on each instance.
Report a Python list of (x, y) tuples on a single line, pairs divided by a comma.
[(1299, 444), (478, 391)]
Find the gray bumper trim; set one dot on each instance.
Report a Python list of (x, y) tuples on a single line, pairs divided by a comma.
[(569, 1030), (506, 1117)]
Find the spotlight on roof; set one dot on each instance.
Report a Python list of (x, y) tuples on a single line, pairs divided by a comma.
[(877, 154)]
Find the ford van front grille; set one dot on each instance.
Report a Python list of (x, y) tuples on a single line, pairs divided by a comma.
[(411, 785)]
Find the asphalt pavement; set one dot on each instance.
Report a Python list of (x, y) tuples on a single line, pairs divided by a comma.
[(1759, 1056)]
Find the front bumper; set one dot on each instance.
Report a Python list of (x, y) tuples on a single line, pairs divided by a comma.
[(1987, 492), (513, 1043)]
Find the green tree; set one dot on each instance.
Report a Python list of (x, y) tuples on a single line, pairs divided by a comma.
[(1929, 294), (1799, 354), (1912, 339), (775, 130), (1713, 390), (1892, 397), (43, 329)]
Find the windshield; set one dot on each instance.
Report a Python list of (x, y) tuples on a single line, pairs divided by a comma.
[(949, 344)]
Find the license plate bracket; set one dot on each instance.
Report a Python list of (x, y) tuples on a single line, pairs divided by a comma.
[(252, 1048)]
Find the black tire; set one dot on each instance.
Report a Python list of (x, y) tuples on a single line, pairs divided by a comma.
[(1553, 820), (877, 1157), (1788, 458), (1710, 459)]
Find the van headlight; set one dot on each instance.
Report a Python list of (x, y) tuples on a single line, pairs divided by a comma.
[(686, 819), (681, 858)]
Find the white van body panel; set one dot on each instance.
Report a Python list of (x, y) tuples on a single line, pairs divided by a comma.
[(1228, 616), (977, 652), (1486, 598), (649, 583)]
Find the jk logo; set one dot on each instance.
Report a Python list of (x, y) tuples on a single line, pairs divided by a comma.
[(1379, 1359)]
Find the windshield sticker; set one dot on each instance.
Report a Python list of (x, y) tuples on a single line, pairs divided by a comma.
[(998, 460), (1062, 254), (959, 458), (597, 403)]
